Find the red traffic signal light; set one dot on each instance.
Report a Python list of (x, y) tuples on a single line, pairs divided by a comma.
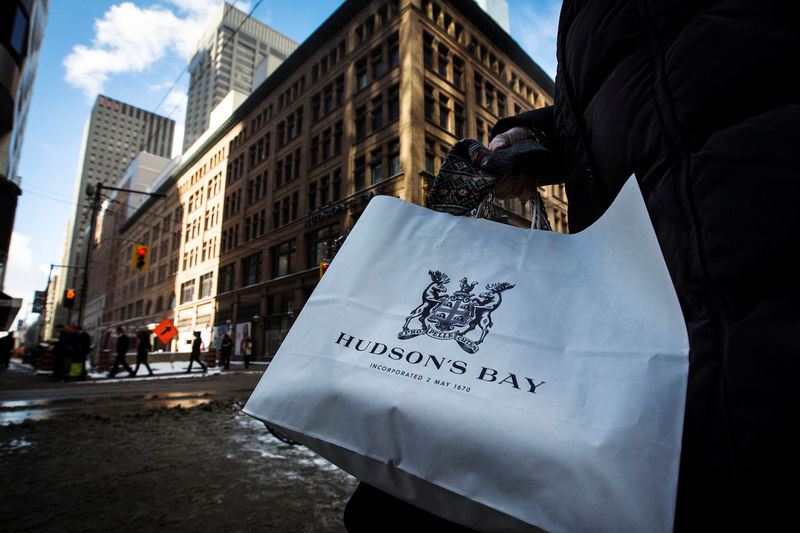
[(69, 298), (323, 267), (141, 256)]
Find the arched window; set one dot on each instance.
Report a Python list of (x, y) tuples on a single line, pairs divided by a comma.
[(159, 304), (148, 310), (171, 301)]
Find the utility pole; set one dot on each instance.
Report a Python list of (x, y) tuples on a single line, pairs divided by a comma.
[(94, 191), (47, 292)]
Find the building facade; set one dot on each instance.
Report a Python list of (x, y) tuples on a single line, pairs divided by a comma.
[(114, 134), (227, 58), (22, 24), (368, 105)]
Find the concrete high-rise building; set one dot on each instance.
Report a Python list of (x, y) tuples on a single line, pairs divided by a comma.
[(498, 10), (22, 25), (226, 59), (114, 134)]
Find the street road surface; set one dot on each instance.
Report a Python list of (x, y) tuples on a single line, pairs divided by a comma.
[(124, 456)]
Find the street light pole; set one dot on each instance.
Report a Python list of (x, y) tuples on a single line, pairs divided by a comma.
[(95, 192)]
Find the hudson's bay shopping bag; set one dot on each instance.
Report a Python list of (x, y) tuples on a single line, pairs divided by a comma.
[(496, 376)]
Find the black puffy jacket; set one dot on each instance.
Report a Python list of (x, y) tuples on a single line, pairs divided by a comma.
[(696, 99)]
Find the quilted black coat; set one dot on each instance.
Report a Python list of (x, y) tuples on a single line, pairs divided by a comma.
[(698, 99)]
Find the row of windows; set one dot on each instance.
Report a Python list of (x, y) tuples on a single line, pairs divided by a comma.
[(383, 162), (328, 61), (377, 62), (376, 20), (381, 110), (326, 145), (444, 111), (204, 283), (438, 58), (319, 246), (328, 99)]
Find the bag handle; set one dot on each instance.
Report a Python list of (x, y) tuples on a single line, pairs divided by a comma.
[(539, 219)]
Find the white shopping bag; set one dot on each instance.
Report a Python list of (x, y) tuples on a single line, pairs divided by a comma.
[(499, 377)]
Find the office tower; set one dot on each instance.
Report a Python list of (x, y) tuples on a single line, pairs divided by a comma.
[(223, 62), (114, 134)]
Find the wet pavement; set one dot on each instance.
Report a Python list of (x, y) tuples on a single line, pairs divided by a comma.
[(155, 454)]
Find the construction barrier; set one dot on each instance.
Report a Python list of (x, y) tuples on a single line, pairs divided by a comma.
[(47, 360), (104, 362), (211, 358)]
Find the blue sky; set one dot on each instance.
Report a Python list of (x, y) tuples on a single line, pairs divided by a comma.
[(134, 51)]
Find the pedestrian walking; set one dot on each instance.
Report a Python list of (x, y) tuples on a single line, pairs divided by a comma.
[(247, 351), (195, 355), (142, 351), (122, 348), (225, 348)]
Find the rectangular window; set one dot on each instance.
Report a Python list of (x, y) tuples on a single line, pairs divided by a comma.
[(361, 122), (393, 103), (376, 166), (377, 113), (444, 112), (187, 291), (394, 157), (394, 50), (460, 122), (359, 173), (205, 284), (319, 245), (227, 277), (282, 259), (361, 74), (251, 269), (377, 63), (324, 194)]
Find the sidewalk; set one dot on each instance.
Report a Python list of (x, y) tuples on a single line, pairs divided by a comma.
[(21, 375)]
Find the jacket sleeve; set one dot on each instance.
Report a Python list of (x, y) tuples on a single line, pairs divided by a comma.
[(543, 121)]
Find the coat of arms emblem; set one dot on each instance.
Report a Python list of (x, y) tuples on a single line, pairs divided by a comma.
[(454, 316)]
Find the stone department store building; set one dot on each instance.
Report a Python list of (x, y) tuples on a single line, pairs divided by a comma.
[(369, 104)]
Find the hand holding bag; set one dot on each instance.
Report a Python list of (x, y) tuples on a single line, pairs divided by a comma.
[(498, 377)]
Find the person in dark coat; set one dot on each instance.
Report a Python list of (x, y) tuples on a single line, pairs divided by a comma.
[(195, 355), (142, 350), (694, 98), (123, 343), (226, 346), (664, 91), (6, 348)]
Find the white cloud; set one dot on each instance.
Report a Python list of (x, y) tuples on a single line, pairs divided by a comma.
[(129, 38), (23, 275), (536, 29)]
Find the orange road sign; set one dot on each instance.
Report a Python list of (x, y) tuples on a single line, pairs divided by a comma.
[(165, 331)]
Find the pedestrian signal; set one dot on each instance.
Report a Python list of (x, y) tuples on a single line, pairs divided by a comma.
[(69, 298), (141, 256), (323, 267)]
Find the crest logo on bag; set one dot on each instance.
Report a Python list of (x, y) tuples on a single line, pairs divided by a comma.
[(455, 316)]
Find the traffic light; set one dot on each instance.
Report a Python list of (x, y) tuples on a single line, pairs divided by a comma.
[(323, 267), (69, 298), (141, 256)]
